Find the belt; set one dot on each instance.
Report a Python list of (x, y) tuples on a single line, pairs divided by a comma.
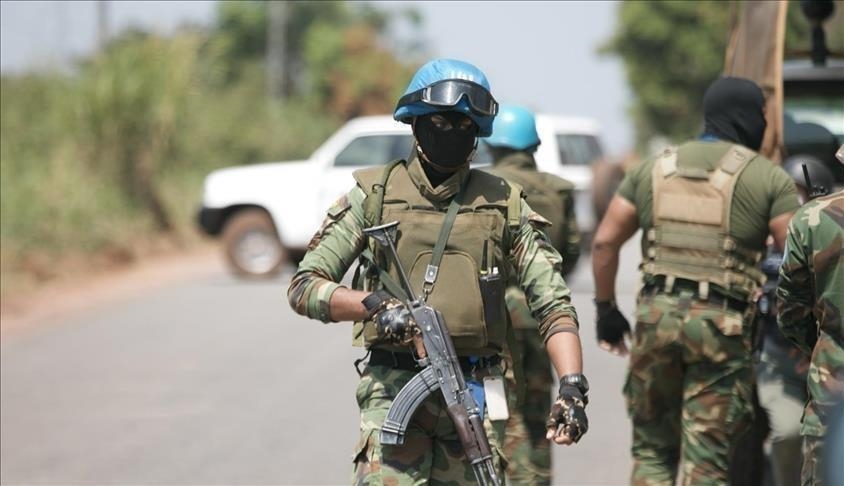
[(714, 297), (406, 361)]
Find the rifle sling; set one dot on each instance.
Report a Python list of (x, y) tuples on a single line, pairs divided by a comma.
[(439, 248)]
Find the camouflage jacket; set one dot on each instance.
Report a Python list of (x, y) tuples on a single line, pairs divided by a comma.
[(340, 240), (810, 300)]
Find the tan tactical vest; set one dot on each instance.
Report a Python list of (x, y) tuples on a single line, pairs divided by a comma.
[(544, 193), (690, 237), (489, 206)]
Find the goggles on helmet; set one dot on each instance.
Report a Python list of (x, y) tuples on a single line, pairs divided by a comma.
[(448, 92)]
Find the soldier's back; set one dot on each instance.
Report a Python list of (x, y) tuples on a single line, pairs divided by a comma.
[(549, 195), (763, 190)]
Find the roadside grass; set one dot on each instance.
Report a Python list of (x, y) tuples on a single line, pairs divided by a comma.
[(65, 208)]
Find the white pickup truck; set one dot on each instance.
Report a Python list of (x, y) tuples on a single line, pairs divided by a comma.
[(266, 213)]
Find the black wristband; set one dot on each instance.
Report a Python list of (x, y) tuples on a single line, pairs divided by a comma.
[(374, 300), (576, 380)]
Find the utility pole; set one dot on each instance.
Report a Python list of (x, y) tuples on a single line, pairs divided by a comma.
[(276, 48), (102, 24)]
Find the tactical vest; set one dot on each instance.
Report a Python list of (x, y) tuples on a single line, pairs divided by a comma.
[(545, 195), (490, 206), (690, 237)]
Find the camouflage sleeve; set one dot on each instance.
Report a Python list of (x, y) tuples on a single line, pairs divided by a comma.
[(571, 250), (538, 272), (794, 291), (331, 252)]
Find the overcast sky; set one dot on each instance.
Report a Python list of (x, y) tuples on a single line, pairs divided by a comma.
[(542, 54)]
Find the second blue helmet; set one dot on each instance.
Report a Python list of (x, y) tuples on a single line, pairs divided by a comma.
[(514, 128), (449, 85)]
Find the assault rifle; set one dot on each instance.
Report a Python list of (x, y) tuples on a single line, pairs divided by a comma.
[(440, 371)]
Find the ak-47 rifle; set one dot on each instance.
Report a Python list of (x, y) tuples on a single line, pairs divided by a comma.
[(440, 371)]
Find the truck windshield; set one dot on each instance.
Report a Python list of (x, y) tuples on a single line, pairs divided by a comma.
[(578, 149), (374, 149), (824, 111)]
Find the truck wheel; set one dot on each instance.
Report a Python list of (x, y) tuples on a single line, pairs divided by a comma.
[(251, 244)]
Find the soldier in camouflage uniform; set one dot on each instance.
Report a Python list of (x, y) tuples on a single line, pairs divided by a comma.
[(781, 367), (448, 103), (810, 299), (705, 209), (512, 144)]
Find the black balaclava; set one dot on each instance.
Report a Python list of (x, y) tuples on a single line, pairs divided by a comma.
[(734, 110), (446, 149)]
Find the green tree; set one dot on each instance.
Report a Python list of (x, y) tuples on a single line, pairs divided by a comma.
[(240, 36), (132, 103), (671, 51), (350, 73)]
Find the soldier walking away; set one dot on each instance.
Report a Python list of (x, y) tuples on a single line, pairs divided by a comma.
[(705, 209), (512, 144), (462, 234), (810, 300)]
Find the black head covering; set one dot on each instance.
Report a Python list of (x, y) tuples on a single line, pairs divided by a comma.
[(734, 110)]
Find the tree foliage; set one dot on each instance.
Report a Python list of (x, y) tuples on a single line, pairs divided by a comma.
[(321, 30), (108, 157), (350, 73), (671, 51), (132, 103)]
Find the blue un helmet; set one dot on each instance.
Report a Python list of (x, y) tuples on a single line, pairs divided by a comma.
[(514, 128), (449, 85)]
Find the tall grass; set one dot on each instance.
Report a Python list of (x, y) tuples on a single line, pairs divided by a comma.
[(97, 165)]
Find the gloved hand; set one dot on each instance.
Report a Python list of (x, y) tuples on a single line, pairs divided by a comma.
[(611, 325), (393, 320), (569, 410)]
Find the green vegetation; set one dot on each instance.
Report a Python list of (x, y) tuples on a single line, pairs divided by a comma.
[(672, 50), (102, 164)]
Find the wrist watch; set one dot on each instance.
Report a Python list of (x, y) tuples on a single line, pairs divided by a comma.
[(576, 380)]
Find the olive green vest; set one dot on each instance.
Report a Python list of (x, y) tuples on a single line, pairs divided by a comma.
[(545, 193), (489, 208), (690, 237)]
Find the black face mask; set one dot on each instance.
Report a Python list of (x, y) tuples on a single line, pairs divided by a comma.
[(447, 146), (734, 110)]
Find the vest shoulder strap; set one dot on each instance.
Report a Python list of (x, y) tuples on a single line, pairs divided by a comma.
[(505, 194), (667, 161), (736, 158), (514, 204), (731, 165), (373, 180)]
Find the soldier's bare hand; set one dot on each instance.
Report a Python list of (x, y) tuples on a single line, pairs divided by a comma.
[(558, 435)]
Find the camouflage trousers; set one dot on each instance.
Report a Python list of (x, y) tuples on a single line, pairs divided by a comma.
[(528, 451), (813, 464), (688, 389), (431, 454), (826, 394)]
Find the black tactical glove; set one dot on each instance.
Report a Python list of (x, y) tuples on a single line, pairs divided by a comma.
[(611, 325), (393, 321), (569, 410)]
